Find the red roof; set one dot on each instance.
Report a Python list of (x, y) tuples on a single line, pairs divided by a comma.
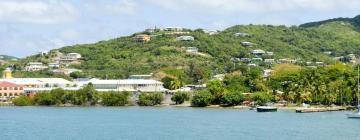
[(8, 84)]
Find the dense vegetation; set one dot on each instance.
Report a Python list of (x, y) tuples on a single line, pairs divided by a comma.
[(87, 96), (166, 57), (150, 99)]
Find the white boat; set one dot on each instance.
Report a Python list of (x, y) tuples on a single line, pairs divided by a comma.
[(354, 115)]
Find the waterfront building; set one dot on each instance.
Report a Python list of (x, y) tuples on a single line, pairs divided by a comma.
[(10, 90), (132, 85), (35, 85)]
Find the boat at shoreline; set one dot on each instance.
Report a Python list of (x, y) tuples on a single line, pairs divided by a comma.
[(266, 109), (356, 115)]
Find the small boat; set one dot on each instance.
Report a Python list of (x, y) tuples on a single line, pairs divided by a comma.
[(355, 115), (266, 109)]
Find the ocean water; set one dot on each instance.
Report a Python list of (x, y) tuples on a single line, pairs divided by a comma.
[(170, 123)]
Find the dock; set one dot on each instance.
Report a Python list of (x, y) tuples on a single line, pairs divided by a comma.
[(323, 109)]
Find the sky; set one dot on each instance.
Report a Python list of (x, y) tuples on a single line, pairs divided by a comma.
[(31, 26)]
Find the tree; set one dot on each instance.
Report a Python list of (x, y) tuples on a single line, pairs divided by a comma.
[(217, 89), (232, 98), (260, 98), (180, 97), (202, 98), (77, 74), (167, 82)]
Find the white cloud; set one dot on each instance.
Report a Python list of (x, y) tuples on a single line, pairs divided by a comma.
[(34, 11), (255, 6), (113, 7)]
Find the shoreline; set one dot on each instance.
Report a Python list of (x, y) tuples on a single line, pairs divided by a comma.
[(312, 109)]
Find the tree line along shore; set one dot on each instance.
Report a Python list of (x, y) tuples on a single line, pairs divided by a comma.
[(289, 84)]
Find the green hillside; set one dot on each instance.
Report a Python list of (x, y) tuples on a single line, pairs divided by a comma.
[(8, 58), (164, 55)]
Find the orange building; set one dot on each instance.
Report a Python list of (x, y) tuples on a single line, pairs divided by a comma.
[(10, 90), (142, 38)]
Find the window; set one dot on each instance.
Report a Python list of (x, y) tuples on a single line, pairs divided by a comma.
[(5, 88), (16, 88), (5, 94), (11, 94)]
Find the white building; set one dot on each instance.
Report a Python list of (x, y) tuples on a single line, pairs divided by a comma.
[(192, 50), (35, 85), (240, 34), (270, 53), (65, 71), (35, 66), (185, 38), (247, 44), (69, 58), (53, 65), (142, 85), (271, 61), (257, 52)]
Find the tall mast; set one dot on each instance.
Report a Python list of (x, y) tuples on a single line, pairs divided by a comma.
[(357, 93)]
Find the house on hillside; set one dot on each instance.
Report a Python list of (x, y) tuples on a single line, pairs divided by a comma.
[(185, 38), (270, 61), (65, 71), (70, 58), (142, 38), (247, 44), (35, 66), (245, 60), (192, 50), (53, 65), (240, 34), (256, 59), (3, 62), (258, 52), (269, 53)]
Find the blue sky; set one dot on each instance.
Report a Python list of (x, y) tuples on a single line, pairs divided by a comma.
[(30, 26)]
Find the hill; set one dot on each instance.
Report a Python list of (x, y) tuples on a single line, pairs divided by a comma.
[(166, 56), (8, 58)]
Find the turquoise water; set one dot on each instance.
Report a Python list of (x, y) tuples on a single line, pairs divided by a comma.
[(141, 123)]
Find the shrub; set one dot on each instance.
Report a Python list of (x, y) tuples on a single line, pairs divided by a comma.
[(115, 98), (23, 101), (180, 97), (45, 98), (202, 98), (150, 99)]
